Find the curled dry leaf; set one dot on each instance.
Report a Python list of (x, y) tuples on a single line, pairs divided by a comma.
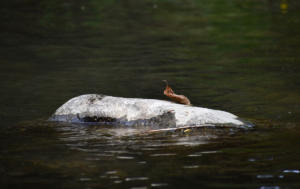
[(175, 97)]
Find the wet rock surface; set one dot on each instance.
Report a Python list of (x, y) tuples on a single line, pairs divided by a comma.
[(95, 108)]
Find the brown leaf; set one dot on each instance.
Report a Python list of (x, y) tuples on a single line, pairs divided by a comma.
[(175, 97)]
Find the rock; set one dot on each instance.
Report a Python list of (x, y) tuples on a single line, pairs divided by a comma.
[(140, 112)]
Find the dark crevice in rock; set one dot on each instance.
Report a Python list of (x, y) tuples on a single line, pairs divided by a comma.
[(97, 119), (164, 120), (94, 98)]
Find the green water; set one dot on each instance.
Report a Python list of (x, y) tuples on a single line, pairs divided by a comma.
[(242, 56)]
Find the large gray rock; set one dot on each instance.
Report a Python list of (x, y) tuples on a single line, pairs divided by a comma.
[(134, 111)]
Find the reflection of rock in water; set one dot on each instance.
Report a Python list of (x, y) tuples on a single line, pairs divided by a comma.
[(121, 140), (139, 112)]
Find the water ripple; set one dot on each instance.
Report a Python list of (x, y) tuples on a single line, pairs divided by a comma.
[(160, 155), (296, 171), (136, 178), (158, 184)]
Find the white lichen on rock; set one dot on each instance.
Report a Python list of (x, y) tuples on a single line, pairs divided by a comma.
[(135, 111)]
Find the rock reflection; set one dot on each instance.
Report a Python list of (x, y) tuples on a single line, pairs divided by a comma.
[(118, 181), (160, 155), (296, 171), (158, 184), (264, 176), (195, 155), (193, 140), (85, 179), (125, 157), (136, 178), (114, 177), (111, 172), (270, 187), (281, 176), (209, 152), (191, 166), (120, 154), (129, 143), (141, 187)]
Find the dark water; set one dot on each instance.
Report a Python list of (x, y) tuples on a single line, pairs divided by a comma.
[(242, 56)]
